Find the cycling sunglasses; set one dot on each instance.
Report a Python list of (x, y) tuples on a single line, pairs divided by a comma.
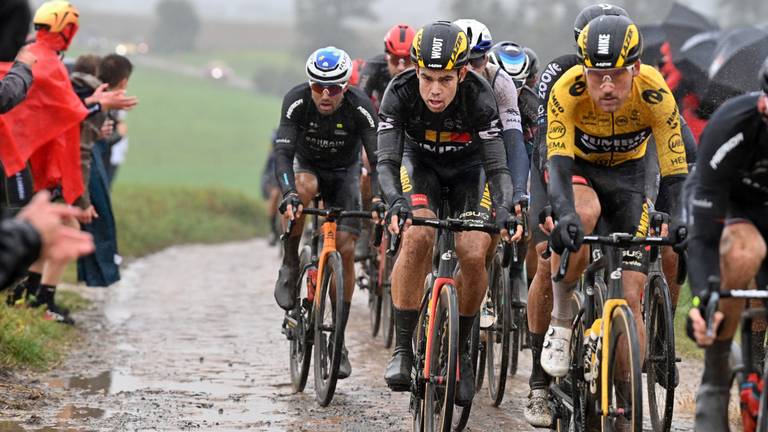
[(333, 89), (396, 60), (598, 77)]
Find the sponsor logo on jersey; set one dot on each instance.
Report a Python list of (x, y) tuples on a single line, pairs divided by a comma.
[(292, 107), (726, 148), (419, 200), (676, 144), (556, 130), (367, 116)]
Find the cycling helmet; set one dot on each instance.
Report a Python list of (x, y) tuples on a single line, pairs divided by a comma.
[(480, 40), (511, 58), (329, 65), (440, 45), (763, 76), (591, 12), (610, 42), (533, 59), (55, 16), (399, 39)]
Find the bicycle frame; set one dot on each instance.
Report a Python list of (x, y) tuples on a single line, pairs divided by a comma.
[(444, 276), (328, 230)]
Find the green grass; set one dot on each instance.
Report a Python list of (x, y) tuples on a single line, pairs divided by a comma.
[(683, 345), (244, 63), (28, 341), (197, 133), (150, 218)]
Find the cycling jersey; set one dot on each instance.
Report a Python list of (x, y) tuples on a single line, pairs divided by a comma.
[(375, 77), (506, 96), (577, 128), (323, 142), (730, 182), (531, 109), (467, 132), (14, 86)]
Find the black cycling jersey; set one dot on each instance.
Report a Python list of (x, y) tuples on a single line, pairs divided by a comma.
[(731, 180), (324, 142), (531, 108), (375, 77), (467, 131)]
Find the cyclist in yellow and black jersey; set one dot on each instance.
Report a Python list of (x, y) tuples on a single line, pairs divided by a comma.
[(600, 117)]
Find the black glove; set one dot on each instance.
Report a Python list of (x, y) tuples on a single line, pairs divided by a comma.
[(544, 214), (380, 208), (291, 198), (678, 233), (568, 233), (401, 208), (504, 219)]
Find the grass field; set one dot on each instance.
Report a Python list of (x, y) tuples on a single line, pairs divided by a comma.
[(245, 63), (196, 133)]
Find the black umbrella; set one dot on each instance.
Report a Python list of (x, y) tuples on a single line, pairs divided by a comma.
[(653, 38), (682, 23), (735, 63), (695, 59)]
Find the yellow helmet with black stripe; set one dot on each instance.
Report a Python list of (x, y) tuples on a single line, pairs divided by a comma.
[(56, 15), (610, 42), (440, 45)]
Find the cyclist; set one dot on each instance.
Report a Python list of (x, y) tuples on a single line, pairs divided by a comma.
[(270, 191), (317, 149), (600, 118), (728, 208), (505, 91), (378, 71), (537, 411), (441, 124)]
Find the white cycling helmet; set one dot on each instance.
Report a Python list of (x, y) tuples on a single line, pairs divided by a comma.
[(329, 65), (480, 40)]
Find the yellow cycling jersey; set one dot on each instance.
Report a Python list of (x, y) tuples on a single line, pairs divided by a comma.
[(578, 128)]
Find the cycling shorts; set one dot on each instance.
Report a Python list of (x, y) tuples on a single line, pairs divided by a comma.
[(339, 187), (422, 181), (16, 191), (621, 192)]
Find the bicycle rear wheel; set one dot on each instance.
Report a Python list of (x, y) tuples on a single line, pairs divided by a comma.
[(474, 344), (329, 334), (375, 300), (518, 321), (660, 353), (625, 393), (301, 339), (442, 358), (499, 334)]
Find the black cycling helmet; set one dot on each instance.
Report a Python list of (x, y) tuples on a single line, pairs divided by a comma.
[(610, 42), (762, 77), (441, 45), (593, 11)]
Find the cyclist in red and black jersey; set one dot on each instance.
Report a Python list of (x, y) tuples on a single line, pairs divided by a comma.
[(379, 70)]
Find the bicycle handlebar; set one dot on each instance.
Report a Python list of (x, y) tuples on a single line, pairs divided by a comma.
[(332, 214)]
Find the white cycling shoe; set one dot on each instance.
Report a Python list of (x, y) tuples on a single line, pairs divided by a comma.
[(555, 354)]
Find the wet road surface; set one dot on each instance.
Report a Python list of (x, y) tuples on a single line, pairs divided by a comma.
[(190, 340)]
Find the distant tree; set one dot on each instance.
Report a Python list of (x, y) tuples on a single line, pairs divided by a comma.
[(178, 26), (324, 23)]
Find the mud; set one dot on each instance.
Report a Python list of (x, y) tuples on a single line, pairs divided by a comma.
[(190, 340)]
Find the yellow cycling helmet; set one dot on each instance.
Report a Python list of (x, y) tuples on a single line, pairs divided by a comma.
[(56, 15), (610, 41)]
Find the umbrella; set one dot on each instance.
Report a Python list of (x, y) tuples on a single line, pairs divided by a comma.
[(683, 22), (736, 61), (653, 38), (695, 59)]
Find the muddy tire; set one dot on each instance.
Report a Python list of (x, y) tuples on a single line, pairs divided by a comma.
[(328, 331), (301, 344)]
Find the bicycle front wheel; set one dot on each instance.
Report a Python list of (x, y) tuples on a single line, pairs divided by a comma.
[(624, 390), (442, 358), (499, 334), (301, 339), (474, 344), (660, 357), (329, 333)]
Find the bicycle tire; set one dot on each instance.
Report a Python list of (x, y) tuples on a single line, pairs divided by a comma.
[(375, 300), (518, 322), (474, 343), (328, 348), (660, 353), (419, 350), (387, 307), (439, 399), (623, 324), (300, 350), (762, 417), (499, 335)]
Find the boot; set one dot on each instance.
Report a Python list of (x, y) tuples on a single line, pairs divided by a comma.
[(398, 372), (286, 288)]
